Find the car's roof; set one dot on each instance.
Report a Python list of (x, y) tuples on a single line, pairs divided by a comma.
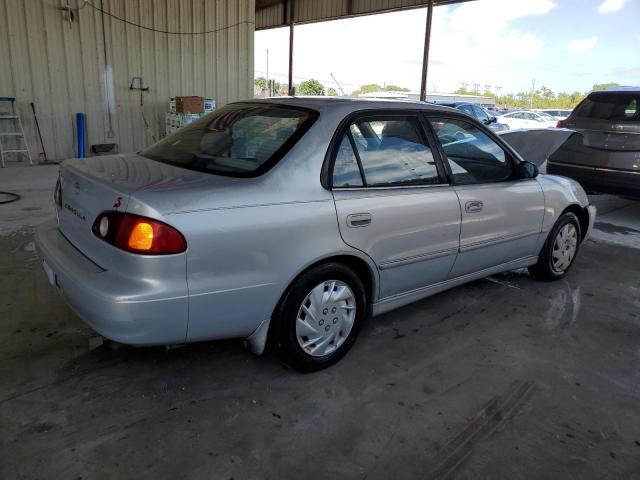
[(354, 104)]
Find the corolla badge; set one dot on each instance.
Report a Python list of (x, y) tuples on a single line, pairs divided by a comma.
[(75, 211)]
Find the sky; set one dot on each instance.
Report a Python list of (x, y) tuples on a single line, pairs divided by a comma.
[(565, 45)]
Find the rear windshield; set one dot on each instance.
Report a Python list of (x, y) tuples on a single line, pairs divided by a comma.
[(610, 106), (240, 140)]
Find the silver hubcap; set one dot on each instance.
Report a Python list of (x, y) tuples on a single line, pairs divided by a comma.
[(325, 318), (564, 248)]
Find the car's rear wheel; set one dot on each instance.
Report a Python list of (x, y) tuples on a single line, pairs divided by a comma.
[(560, 250), (319, 318)]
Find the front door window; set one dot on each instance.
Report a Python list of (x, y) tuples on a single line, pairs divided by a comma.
[(472, 155)]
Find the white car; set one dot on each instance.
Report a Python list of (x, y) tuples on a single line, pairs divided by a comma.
[(556, 113), (527, 119)]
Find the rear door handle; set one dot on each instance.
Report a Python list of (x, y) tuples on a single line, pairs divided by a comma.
[(474, 206), (359, 219)]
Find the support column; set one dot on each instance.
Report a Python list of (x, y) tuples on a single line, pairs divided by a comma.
[(291, 17), (425, 53)]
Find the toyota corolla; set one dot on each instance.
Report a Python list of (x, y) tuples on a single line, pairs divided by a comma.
[(289, 221)]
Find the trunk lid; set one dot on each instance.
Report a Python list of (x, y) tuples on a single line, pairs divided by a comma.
[(93, 185), (604, 135)]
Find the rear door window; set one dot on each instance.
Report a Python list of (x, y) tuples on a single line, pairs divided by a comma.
[(240, 140), (391, 151), (346, 172), (616, 107)]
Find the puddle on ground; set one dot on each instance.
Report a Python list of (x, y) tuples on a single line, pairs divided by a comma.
[(505, 277), (564, 307), (615, 229)]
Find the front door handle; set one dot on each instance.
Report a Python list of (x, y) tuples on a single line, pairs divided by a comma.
[(359, 219), (473, 206)]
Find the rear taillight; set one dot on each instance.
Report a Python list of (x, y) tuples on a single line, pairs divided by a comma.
[(57, 194), (560, 124), (137, 234)]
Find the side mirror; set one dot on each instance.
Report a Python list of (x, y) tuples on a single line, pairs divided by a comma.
[(492, 119), (527, 170)]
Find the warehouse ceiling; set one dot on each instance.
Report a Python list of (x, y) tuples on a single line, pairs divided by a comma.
[(278, 13)]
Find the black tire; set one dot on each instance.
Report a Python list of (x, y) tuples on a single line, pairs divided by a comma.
[(544, 269), (284, 334)]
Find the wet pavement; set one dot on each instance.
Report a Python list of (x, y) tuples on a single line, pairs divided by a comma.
[(503, 378)]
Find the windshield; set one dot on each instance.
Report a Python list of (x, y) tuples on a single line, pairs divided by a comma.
[(610, 106), (241, 140), (546, 116)]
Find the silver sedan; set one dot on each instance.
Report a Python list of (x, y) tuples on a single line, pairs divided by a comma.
[(287, 222)]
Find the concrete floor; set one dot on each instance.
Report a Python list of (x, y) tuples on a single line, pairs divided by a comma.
[(503, 378)]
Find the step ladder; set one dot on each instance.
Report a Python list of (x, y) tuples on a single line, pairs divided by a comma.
[(12, 141)]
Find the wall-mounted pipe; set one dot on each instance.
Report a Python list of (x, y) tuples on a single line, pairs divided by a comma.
[(80, 134)]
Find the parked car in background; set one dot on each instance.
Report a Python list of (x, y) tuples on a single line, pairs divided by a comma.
[(291, 220), (496, 112), (477, 112), (557, 114), (604, 154), (527, 119)]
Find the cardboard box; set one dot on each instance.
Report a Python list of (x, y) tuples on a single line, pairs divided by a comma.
[(189, 104)]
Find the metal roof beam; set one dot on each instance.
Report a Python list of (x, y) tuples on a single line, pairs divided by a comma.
[(272, 13)]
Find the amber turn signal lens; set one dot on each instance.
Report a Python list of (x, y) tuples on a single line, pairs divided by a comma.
[(136, 234), (141, 237)]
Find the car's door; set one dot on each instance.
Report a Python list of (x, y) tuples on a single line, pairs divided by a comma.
[(531, 120), (501, 214), (514, 120), (393, 201)]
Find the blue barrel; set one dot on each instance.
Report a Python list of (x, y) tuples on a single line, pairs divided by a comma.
[(80, 123)]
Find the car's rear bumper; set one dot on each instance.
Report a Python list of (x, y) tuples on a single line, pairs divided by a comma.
[(135, 311), (599, 179)]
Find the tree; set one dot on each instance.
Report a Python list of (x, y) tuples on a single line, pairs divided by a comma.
[(331, 92), (261, 83), (463, 91), (310, 87), (368, 88), (395, 88), (604, 86), (547, 93)]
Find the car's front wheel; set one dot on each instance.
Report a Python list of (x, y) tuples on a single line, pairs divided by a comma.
[(560, 249), (319, 318)]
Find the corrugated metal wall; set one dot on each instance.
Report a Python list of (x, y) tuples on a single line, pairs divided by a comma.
[(269, 17), (61, 66)]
